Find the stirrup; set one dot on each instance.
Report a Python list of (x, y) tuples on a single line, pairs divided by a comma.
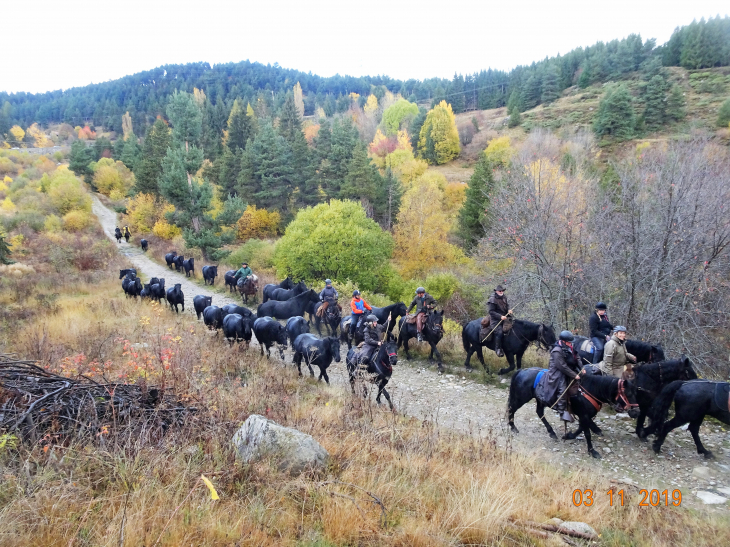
[(419, 337), (499, 352)]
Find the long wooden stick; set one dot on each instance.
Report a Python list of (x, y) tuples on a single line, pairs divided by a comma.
[(498, 324)]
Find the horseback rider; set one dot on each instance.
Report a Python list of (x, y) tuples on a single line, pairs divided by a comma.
[(118, 234), (244, 271), (358, 307), (372, 338), (563, 369), (328, 296), (600, 330), (424, 304), (615, 356), (127, 235), (500, 316)]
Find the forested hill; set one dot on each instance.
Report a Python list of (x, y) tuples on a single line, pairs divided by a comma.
[(702, 44)]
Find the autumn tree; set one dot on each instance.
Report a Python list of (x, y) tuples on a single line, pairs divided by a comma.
[(420, 236), (127, 125), (112, 178), (258, 223), (439, 138), (17, 135), (399, 116), (299, 100)]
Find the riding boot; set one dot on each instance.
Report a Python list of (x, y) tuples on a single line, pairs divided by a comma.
[(419, 337), (498, 342), (566, 417)]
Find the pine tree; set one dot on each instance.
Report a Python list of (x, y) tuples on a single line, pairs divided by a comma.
[(676, 104), (456, 94), (515, 118), (531, 92), (149, 167), (723, 115), (387, 199), (615, 117), (131, 152), (585, 77), (416, 125), (239, 128), (80, 158), (344, 139), (4, 251), (550, 85), (271, 171), (473, 214), (656, 106), (361, 180)]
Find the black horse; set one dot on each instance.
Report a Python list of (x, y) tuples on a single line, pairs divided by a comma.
[(237, 328), (296, 326), (271, 287), (230, 280), (331, 317), (514, 343), (394, 311), (176, 297), (248, 286), (650, 379), (123, 273), (290, 308), (240, 310), (179, 260), (433, 332), (643, 351), (283, 295), (189, 266), (601, 389), (692, 402), (170, 259), (132, 285), (269, 332), (146, 291), (158, 289), (316, 352), (378, 370), (209, 274), (144, 244), (118, 234), (200, 302), (213, 317)]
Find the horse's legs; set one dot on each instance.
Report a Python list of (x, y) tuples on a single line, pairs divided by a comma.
[(519, 359), (317, 324), (511, 360), (381, 389), (434, 350), (297, 359), (323, 374), (640, 431), (480, 355), (311, 372), (469, 353), (694, 429), (585, 424), (541, 414), (405, 347), (594, 428)]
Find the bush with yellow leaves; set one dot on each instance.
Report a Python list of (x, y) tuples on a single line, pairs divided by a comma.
[(113, 176), (165, 230), (7, 205), (52, 224), (258, 223), (76, 221)]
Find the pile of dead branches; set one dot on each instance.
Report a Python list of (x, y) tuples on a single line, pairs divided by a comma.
[(36, 404)]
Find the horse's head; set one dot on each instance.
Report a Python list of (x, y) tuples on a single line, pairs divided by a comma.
[(334, 346), (657, 353), (287, 283), (312, 296), (689, 371), (207, 301), (436, 322), (281, 336), (546, 337), (389, 349), (400, 309), (178, 286), (246, 327), (627, 396), (138, 284)]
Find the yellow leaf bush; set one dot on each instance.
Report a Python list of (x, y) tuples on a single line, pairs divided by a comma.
[(110, 175), (76, 221), (257, 223), (165, 230)]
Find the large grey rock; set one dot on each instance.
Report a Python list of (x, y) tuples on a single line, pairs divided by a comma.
[(724, 490), (292, 450), (581, 527), (708, 498), (702, 473)]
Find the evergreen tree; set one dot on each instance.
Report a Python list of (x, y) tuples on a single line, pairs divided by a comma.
[(473, 214), (456, 94), (615, 117), (585, 77), (531, 92), (676, 104), (80, 158), (239, 128), (550, 85), (723, 115), (271, 172), (289, 123), (5, 122), (149, 168), (131, 152), (515, 118), (416, 124), (361, 180), (4, 251), (656, 106), (344, 139), (179, 185), (387, 199)]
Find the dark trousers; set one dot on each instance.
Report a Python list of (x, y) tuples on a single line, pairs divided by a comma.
[(498, 337), (353, 322), (598, 344)]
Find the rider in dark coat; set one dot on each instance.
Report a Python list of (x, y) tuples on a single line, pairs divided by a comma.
[(127, 235), (562, 370), (600, 330), (499, 312), (373, 336), (424, 304)]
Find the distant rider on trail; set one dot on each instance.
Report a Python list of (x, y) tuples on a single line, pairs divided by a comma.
[(243, 272), (500, 317), (358, 307), (424, 304), (600, 330), (328, 296)]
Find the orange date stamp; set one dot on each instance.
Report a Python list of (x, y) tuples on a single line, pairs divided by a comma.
[(649, 498)]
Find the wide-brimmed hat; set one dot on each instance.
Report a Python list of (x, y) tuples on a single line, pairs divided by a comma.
[(500, 288)]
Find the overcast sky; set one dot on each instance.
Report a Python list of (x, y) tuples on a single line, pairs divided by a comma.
[(57, 44)]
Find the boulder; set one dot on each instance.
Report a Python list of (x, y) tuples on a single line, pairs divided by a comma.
[(290, 449), (581, 527), (724, 490), (708, 498), (702, 473)]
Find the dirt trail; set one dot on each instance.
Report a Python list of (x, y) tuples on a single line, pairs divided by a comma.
[(455, 401)]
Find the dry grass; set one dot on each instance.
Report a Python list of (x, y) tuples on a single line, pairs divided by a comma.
[(439, 488)]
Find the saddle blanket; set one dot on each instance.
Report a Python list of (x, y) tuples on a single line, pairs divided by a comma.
[(586, 346), (538, 377), (722, 396)]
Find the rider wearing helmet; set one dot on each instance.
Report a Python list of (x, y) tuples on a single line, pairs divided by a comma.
[(424, 304), (600, 330), (328, 296), (615, 356), (563, 369), (358, 307), (372, 336)]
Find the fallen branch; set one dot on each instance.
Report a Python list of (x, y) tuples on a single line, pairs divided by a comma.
[(375, 501), (557, 529)]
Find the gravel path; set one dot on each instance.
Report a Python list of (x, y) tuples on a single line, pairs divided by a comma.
[(455, 401)]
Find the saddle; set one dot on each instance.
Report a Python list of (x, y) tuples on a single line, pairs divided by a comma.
[(411, 318), (322, 309), (722, 396)]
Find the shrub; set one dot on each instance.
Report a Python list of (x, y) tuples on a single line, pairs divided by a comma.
[(33, 219), (110, 176), (52, 224), (499, 151), (165, 230), (17, 269), (66, 192), (143, 212), (259, 254), (7, 205), (723, 116), (75, 221), (258, 223)]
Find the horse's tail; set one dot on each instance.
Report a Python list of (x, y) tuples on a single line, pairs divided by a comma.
[(464, 340), (512, 399), (660, 408)]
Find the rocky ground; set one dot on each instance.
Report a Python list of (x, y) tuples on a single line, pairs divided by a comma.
[(459, 402)]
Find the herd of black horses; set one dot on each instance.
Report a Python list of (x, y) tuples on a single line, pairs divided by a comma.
[(655, 383)]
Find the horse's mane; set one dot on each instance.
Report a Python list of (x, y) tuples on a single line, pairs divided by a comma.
[(639, 344), (599, 386), (652, 369)]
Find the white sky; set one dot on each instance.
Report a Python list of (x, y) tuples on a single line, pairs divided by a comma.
[(57, 44)]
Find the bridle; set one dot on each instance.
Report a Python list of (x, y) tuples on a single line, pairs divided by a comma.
[(387, 365), (622, 395)]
